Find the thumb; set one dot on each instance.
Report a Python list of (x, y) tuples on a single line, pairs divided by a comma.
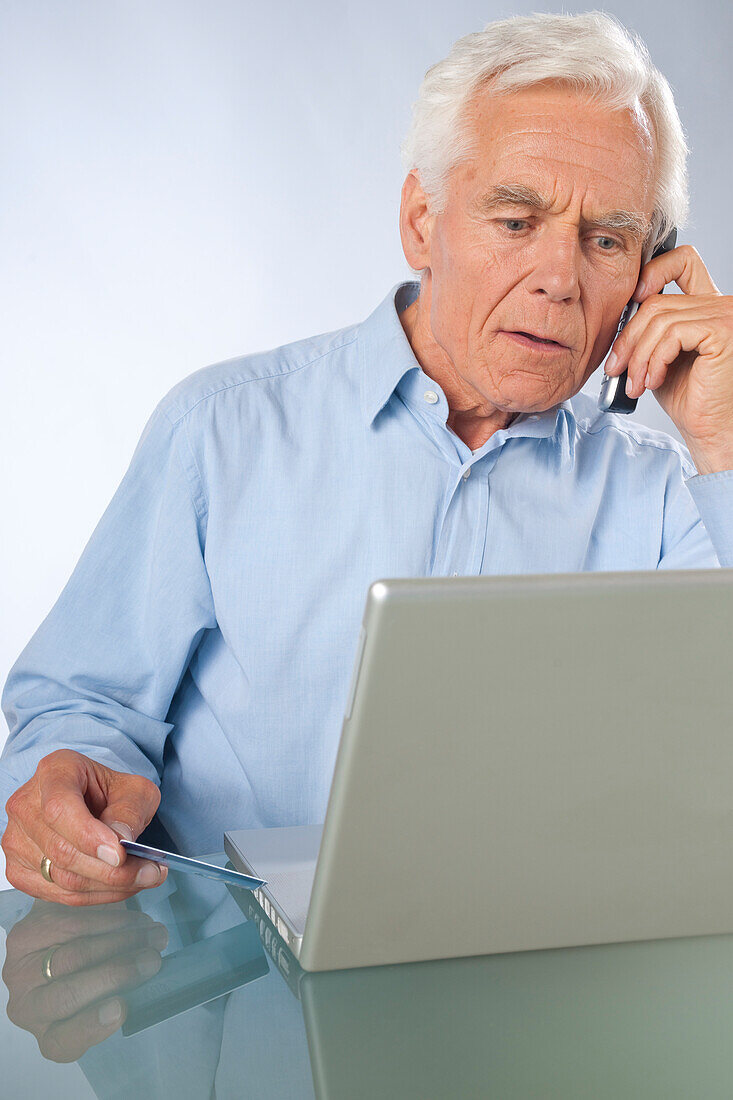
[(132, 802), (123, 831)]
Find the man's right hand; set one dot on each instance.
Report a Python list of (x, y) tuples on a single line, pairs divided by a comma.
[(74, 811)]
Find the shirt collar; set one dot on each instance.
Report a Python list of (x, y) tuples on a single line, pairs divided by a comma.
[(385, 356)]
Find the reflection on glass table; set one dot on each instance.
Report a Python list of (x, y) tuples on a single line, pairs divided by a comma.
[(203, 1013)]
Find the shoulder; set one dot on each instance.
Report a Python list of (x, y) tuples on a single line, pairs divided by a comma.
[(233, 376), (626, 436)]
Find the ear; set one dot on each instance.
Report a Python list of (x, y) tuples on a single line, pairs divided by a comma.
[(416, 223)]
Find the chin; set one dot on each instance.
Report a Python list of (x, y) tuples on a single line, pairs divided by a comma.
[(523, 400)]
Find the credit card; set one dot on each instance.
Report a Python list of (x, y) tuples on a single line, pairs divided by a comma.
[(192, 866)]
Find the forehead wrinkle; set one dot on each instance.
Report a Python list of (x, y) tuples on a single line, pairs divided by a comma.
[(511, 150), (637, 136), (510, 109), (508, 144), (583, 167), (556, 126)]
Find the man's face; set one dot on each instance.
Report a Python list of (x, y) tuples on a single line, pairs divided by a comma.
[(496, 268)]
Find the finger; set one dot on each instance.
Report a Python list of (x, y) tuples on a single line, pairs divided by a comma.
[(682, 265), (23, 871), (641, 347), (63, 785), (132, 802), (660, 360), (645, 329), (63, 998), (73, 870), (67, 1040), (28, 882), (661, 348)]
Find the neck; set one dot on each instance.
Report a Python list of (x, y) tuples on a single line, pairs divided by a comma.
[(471, 417)]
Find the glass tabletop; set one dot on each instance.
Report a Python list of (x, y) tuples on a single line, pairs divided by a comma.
[(188, 991)]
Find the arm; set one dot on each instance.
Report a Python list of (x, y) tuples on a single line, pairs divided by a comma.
[(99, 674)]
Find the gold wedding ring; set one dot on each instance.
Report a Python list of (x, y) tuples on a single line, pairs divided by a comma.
[(46, 869), (46, 964)]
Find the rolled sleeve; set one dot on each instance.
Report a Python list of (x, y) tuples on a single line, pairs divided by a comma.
[(99, 674)]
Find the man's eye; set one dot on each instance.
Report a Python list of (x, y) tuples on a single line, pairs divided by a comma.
[(515, 225)]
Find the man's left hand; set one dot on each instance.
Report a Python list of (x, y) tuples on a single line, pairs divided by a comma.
[(681, 347)]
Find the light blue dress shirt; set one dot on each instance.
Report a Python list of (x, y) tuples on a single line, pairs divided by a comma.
[(206, 636)]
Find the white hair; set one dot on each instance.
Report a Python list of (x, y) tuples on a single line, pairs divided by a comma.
[(592, 52)]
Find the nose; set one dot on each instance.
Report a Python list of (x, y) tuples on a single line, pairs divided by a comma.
[(556, 263)]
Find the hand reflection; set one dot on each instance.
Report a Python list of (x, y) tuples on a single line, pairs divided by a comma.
[(64, 964)]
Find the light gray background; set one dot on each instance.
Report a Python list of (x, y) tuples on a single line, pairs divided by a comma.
[(183, 182)]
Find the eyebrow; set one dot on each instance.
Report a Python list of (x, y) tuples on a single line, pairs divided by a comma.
[(517, 194)]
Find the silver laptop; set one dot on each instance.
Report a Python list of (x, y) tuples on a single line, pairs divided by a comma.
[(553, 753)]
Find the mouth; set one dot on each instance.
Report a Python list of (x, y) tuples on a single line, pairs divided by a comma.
[(529, 339)]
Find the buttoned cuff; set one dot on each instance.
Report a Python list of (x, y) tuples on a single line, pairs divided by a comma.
[(713, 497)]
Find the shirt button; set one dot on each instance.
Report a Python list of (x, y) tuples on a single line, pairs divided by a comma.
[(466, 475), (533, 418), (431, 396)]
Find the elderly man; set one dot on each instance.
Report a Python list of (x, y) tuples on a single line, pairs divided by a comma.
[(200, 654)]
